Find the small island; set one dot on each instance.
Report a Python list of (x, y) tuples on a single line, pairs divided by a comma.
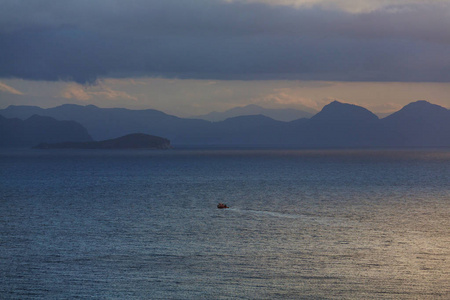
[(130, 141)]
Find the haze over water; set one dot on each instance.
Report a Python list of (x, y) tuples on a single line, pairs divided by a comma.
[(313, 224)]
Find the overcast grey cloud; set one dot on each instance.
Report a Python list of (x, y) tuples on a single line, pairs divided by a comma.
[(84, 40)]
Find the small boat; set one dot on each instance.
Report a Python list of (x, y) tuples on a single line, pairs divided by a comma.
[(222, 205)]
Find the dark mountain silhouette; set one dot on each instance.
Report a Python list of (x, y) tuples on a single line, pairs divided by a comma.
[(287, 114), (341, 125), (343, 112), (419, 124), (131, 141), (419, 112), (37, 129)]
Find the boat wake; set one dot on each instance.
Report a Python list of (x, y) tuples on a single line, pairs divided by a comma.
[(266, 213)]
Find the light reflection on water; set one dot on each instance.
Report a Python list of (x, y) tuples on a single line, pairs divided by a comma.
[(302, 224)]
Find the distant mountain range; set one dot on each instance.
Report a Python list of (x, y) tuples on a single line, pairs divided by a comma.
[(287, 114), (419, 124)]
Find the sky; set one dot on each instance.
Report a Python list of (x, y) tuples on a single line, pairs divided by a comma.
[(190, 57)]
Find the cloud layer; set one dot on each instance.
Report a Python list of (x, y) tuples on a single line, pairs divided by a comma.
[(211, 39)]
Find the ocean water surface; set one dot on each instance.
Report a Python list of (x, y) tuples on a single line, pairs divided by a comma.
[(302, 224)]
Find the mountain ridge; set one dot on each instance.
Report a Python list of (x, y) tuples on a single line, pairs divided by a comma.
[(418, 124)]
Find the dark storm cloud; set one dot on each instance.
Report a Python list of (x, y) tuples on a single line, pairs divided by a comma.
[(83, 40)]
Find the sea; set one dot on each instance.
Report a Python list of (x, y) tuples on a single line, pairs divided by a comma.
[(301, 224)]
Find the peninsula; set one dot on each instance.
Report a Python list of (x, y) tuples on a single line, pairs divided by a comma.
[(130, 141)]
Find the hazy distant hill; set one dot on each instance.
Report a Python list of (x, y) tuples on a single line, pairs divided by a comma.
[(257, 130), (37, 129), (130, 141), (22, 111), (287, 114), (419, 124)]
